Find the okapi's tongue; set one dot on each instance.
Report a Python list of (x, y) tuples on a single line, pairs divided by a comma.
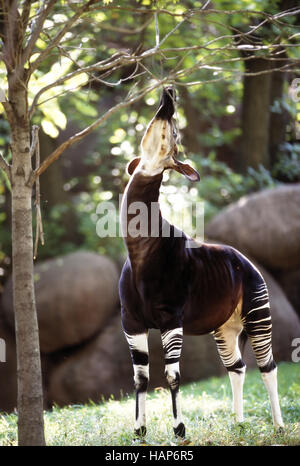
[(166, 105)]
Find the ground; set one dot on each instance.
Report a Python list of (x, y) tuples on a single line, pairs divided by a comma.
[(206, 409)]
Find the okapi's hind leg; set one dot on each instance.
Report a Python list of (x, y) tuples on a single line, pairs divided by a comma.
[(226, 338), (258, 326)]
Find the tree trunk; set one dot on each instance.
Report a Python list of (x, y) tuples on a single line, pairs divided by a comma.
[(279, 117), (30, 394), (255, 116)]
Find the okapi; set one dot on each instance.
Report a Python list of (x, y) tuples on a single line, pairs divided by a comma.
[(169, 285)]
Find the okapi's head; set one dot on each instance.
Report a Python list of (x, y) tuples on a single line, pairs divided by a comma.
[(159, 148)]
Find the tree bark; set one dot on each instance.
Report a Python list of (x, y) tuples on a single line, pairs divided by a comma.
[(30, 394), (255, 116), (280, 117)]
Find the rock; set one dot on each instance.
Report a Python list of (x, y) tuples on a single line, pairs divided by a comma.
[(103, 367), (98, 369), (265, 226), (75, 295), (289, 281)]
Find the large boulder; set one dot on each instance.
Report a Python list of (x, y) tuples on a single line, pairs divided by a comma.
[(98, 369), (265, 226), (289, 281), (76, 294)]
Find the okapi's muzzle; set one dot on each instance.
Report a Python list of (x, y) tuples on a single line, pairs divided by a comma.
[(166, 106), (159, 143)]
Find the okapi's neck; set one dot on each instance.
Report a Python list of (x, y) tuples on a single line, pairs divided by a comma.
[(141, 218)]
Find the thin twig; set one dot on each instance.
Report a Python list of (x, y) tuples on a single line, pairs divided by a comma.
[(103, 65), (56, 40), (36, 29), (35, 140), (25, 14), (156, 30), (35, 148), (124, 59)]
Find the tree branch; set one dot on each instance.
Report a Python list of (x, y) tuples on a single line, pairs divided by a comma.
[(175, 75), (125, 59), (37, 26), (25, 14), (56, 40), (101, 66), (5, 166), (78, 136), (35, 148)]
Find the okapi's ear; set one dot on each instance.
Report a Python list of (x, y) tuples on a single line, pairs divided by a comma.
[(189, 172), (132, 165)]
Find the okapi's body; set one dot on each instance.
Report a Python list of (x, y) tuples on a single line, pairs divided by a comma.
[(169, 284)]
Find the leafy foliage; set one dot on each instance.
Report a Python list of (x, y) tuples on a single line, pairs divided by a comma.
[(208, 113), (287, 168)]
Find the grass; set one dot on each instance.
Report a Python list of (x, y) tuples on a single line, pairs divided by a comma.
[(206, 410)]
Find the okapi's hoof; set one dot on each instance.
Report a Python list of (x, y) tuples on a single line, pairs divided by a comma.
[(140, 432), (179, 431)]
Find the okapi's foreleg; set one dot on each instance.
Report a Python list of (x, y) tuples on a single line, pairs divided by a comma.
[(172, 344), (138, 345)]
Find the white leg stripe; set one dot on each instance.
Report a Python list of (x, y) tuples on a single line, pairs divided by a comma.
[(260, 307), (137, 342)]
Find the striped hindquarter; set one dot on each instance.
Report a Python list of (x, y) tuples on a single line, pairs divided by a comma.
[(253, 315), (258, 325)]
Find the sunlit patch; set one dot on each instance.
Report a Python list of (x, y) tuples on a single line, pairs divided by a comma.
[(150, 101), (241, 202), (230, 109), (116, 150)]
